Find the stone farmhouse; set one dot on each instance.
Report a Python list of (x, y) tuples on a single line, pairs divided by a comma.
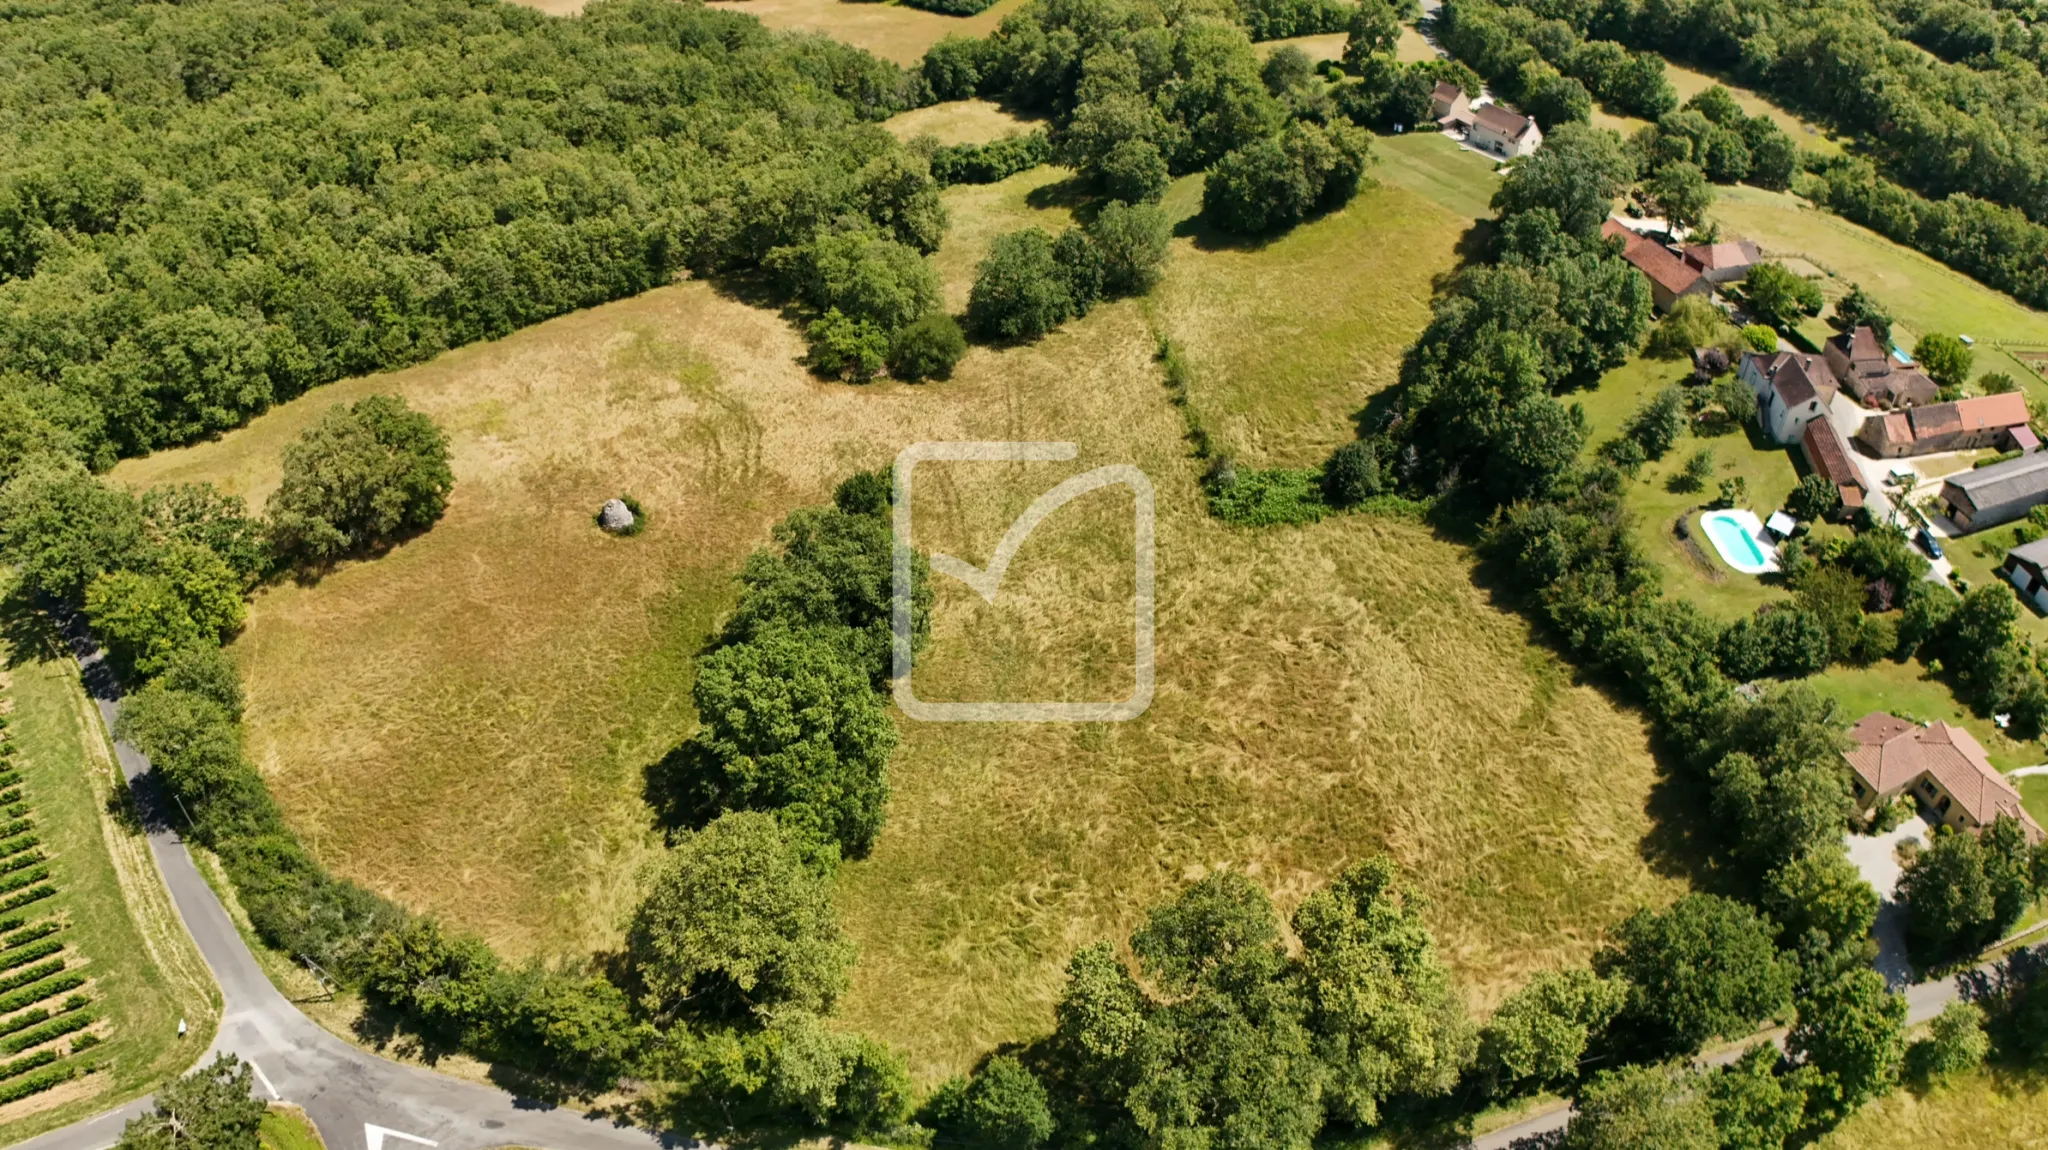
[(1865, 366), (1791, 390), (1670, 279), (1991, 420)]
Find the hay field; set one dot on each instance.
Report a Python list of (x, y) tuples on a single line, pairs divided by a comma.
[(463, 722), (1985, 1110)]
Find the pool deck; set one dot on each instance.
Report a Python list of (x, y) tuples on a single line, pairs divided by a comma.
[(1744, 520)]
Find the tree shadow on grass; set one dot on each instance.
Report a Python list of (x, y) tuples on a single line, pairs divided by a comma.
[(1071, 193), (1680, 843)]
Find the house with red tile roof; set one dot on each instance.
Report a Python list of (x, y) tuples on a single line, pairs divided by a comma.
[(1960, 426), (1724, 262), (1940, 765), (1669, 278)]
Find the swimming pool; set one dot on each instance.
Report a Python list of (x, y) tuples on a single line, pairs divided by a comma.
[(1736, 535)]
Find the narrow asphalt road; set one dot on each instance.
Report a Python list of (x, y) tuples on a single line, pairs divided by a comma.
[(359, 1101), (1923, 1001)]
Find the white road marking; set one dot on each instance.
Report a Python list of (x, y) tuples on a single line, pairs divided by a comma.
[(375, 1135), (265, 1080)]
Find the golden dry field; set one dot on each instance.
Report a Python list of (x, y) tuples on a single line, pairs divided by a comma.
[(462, 723), (959, 122)]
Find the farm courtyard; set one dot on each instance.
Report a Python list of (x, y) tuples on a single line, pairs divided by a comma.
[(463, 724)]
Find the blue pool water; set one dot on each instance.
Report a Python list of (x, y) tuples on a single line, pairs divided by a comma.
[(1734, 542)]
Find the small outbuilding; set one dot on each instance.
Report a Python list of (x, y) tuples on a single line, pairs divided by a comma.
[(1724, 262), (2026, 568)]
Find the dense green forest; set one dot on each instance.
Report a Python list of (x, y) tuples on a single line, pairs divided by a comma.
[(208, 208)]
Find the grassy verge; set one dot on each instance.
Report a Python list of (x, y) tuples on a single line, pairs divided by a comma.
[(1985, 1110), (288, 1128), (145, 973)]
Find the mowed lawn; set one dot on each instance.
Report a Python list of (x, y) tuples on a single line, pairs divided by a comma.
[(1923, 294), (122, 929), (1692, 568), (463, 723)]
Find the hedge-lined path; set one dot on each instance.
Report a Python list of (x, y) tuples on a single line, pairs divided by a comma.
[(343, 1089)]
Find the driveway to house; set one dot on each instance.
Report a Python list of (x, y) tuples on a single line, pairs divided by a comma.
[(1877, 859), (1847, 415), (359, 1101)]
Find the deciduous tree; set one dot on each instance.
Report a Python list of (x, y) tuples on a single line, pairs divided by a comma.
[(735, 924)]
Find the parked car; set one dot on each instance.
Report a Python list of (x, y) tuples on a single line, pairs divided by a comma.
[(1930, 543)]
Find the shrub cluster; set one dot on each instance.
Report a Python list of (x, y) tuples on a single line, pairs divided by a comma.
[(1137, 94), (1213, 1033), (1546, 65), (162, 577), (1031, 283), (991, 162)]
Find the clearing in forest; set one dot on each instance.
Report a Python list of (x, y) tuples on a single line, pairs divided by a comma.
[(892, 31), (462, 724), (959, 122), (1289, 337)]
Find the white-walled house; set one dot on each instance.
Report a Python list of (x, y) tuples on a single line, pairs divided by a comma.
[(1506, 134), (1792, 390)]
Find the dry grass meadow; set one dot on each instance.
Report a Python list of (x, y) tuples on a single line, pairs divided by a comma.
[(462, 723), (959, 122)]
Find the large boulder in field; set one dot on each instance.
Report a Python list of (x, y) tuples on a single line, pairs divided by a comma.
[(615, 516)]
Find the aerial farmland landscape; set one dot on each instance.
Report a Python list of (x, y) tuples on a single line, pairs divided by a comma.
[(1215, 575)]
